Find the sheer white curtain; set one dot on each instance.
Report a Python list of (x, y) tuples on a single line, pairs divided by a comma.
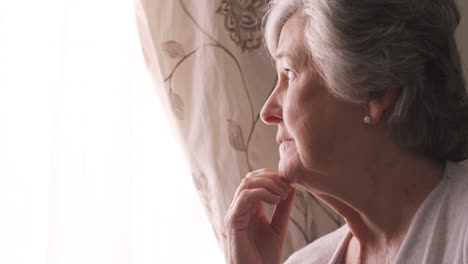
[(89, 170)]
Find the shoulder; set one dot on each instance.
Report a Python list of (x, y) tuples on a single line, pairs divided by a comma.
[(321, 250), (457, 210), (439, 232), (457, 176), (457, 172), (458, 193), (450, 218)]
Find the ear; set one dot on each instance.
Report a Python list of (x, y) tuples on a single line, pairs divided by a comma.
[(378, 106)]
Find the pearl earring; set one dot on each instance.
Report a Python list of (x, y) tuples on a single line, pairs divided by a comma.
[(367, 119)]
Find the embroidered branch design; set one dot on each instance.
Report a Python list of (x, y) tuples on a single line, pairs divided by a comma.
[(241, 20)]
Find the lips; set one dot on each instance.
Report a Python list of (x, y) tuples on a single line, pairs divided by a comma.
[(282, 140), (282, 135)]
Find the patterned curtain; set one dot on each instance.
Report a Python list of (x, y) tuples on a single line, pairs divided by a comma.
[(213, 74)]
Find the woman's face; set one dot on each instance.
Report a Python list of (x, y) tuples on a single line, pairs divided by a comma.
[(317, 129)]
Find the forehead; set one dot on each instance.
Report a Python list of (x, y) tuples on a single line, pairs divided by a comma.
[(291, 39)]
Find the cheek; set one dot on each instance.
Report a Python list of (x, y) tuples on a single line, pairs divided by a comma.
[(312, 127), (296, 112), (299, 124), (300, 119)]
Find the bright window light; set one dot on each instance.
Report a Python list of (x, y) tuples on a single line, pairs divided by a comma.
[(90, 170)]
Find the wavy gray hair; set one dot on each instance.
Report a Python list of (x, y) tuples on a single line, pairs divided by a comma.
[(364, 48)]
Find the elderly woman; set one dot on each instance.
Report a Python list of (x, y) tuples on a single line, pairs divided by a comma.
[(372, 115)]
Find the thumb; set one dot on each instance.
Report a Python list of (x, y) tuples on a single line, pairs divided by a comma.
[(280, 219)]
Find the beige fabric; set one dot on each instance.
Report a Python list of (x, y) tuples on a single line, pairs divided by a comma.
[(213, 74)]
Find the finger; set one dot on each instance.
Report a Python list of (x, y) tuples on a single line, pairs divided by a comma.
[(271, 174), (250, 197), (246, 182), (262, 173), (261, 182), (280, 219)]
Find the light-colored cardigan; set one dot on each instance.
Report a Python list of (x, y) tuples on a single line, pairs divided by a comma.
[(438, 233)]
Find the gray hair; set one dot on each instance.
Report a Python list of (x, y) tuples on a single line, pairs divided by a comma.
[(364, 48)]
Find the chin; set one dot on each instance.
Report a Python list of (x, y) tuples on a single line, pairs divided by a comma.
[(290, 168)]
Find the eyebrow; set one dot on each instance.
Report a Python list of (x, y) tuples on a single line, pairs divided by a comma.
[(291, 57), (281, 55)]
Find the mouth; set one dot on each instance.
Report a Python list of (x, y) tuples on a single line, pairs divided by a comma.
[(283, 140)]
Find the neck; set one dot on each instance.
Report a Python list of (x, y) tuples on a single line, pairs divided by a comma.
[(379, 210)]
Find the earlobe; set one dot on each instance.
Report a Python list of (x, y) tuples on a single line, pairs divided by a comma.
[(377, 107)]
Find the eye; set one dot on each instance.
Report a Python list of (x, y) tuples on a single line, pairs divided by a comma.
[(291, 75)]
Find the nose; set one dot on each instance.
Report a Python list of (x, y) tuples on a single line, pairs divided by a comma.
[(272, 110)]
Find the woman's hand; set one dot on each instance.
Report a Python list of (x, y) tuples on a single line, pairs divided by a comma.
[(252, 239)]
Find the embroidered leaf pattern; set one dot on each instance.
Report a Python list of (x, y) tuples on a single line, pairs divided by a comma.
[(177, 104), (236, 137), (201, 184), (242, 19), (301, 201), (301, 205), (173, 49)]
